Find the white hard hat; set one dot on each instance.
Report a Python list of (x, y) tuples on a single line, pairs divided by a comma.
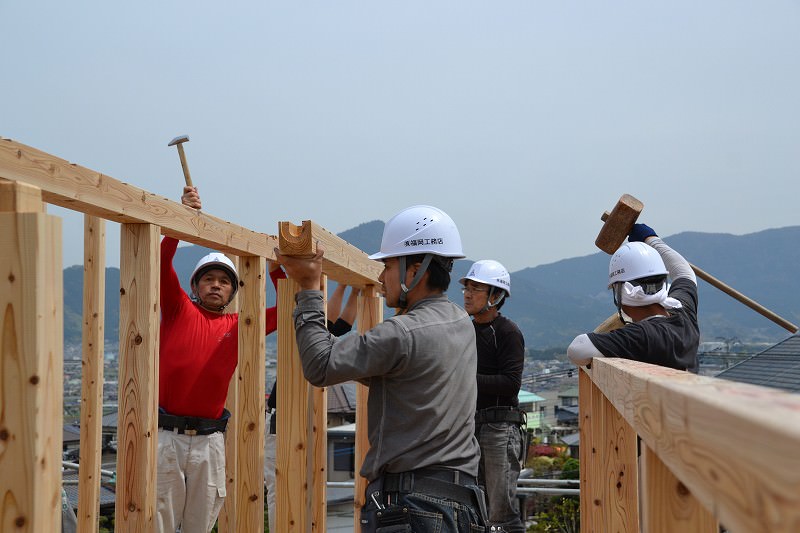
[(491, 273), (634, 260), (215, 260), (420, 229)]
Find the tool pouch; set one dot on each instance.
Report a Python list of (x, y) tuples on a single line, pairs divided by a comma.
[(393, 519)]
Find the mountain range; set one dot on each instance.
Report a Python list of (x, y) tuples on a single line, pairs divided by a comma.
[(554, 302)]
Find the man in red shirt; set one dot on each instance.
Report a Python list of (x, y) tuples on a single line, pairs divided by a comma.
[(199, 348)]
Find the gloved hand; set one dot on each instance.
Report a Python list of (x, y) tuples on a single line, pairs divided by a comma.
[(640, 232)]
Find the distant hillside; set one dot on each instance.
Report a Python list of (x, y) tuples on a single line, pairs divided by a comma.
[(552, 303)]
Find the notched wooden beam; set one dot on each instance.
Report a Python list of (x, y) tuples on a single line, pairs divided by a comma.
[(296, 240), (342, 262)]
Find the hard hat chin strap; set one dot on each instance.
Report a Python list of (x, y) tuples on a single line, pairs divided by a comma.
[(489, 303), (616, 291), (426, 261)]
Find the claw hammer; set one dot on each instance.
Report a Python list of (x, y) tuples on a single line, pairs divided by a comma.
[(178, 141)]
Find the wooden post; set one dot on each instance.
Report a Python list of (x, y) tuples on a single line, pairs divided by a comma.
[(291, 482), (609, 473), (667, 504), (318, 437), (31, 373), (250, 412), (137, 429), (92, 351), (226, 523), (618, 451), (590, 518), (369, 314)]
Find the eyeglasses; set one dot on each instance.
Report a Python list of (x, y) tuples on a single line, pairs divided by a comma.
[(473, 289)]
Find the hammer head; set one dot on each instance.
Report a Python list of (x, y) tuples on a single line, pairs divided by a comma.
[(179, 140), (618, 223)]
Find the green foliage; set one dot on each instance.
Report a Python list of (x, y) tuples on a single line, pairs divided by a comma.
[(542, 466), (570, 469), (563, 517), (106, 523)]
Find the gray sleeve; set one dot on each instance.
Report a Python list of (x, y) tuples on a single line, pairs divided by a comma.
[(313, 339), (328, 360), (677, 266)]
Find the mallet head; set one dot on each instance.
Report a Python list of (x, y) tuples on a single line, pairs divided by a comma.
[(618, 223)]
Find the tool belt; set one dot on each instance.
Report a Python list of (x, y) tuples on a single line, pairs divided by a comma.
[(443, 483), (192, 425), (504, 413)]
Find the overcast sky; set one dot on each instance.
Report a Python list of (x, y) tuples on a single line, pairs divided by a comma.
[(523, 120)]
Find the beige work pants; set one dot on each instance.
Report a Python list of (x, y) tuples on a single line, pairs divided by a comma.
[(191, 481)]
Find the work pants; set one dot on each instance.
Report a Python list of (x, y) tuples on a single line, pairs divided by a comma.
[(191, 481), (501, 452)]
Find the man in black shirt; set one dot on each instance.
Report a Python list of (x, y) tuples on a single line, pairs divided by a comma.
[(499, 423), (661, 326)]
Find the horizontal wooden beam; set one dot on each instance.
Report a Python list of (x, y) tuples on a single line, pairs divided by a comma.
[(732, 444), (341, 262), (90, 192)]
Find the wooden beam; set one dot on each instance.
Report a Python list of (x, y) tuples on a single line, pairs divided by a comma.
[(92, 351), (80, 189), (137, 428), (31, 373), (342, 261), (733, 445), (250, 413)]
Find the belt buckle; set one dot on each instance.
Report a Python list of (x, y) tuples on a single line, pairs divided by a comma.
[(190, 432)]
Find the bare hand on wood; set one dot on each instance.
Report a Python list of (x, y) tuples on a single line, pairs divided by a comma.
[(191, 197), (305, 270)]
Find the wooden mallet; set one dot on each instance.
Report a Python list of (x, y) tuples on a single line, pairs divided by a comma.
[(178, 141), (618, 224)]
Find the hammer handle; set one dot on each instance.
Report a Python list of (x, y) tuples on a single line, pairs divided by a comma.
[(752, 304), (185, 166)]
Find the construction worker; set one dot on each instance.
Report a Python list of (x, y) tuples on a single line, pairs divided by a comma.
[(198, 355), (420, 366), (499, 423), (660, 320)]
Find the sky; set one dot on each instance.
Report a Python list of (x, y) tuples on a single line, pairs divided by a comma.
[(523, 120)]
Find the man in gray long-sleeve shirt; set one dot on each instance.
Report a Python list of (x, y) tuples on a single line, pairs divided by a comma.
[(420, 368)]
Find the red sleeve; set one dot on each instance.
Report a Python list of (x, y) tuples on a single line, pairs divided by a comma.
[(171, 291), (272, 312), (275, 275)]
